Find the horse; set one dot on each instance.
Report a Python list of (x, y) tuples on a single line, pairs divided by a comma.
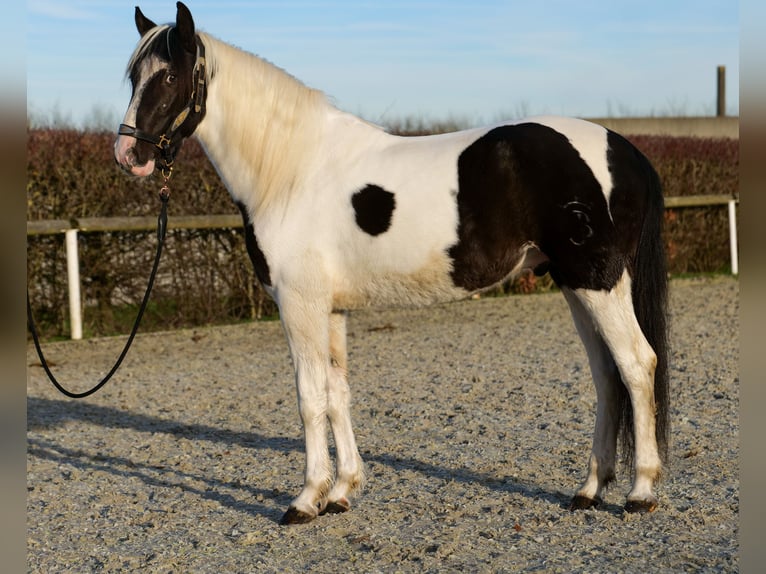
[(340, 214)]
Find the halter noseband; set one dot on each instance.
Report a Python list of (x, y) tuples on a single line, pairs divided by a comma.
[(196, 104)]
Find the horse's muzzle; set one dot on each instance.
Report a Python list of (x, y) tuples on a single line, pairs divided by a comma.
[(125, 156)]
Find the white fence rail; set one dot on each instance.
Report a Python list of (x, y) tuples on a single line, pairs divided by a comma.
[(70, 228)]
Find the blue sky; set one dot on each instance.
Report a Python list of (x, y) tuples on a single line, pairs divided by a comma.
[(477, 61)]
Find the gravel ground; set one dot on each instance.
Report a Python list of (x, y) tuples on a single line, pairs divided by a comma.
[(474, 420)]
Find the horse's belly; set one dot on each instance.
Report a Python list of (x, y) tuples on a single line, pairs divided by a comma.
[(428, 284)]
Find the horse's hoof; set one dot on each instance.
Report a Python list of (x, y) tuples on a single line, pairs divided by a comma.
[(295, 516), (337, 507), (641, 506), (580, 502)]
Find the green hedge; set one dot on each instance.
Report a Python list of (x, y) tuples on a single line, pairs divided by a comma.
[(206, 276)]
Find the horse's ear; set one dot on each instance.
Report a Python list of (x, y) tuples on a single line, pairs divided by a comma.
[(142, 22), (185, 27)]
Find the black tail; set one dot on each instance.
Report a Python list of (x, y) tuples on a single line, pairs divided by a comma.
[(649, 290)]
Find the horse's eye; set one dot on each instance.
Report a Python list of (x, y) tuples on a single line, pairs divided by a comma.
[(170, 79)]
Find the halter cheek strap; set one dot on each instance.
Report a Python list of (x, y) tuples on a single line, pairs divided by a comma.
[(196, 104)]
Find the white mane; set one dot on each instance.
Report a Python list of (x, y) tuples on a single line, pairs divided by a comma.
[(261, 124)]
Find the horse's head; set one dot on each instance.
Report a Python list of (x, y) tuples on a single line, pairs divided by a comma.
[(167, 73)]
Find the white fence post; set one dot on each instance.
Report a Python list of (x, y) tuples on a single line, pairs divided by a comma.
[(733, 237), (73, 276)]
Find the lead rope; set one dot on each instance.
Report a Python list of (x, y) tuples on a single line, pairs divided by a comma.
[(162, 223)]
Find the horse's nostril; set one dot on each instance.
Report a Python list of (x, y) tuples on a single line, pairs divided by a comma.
[(130, 157)]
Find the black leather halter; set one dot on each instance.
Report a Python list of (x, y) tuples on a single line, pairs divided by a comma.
[(195, 105)]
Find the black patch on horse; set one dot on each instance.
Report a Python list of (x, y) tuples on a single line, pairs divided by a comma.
[(253, 249), (526, 183), (373, 209)]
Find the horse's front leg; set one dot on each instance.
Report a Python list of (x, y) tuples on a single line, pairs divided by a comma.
[(349, 476), (307, 329)]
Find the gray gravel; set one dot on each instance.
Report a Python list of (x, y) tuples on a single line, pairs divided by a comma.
[(474, 420)]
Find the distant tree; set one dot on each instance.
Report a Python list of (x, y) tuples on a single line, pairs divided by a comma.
[(101, 118), (54, 119)]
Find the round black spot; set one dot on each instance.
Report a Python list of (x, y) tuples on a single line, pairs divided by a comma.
[(373, 209)]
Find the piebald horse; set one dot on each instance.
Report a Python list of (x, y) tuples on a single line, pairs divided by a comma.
[(340, 214)]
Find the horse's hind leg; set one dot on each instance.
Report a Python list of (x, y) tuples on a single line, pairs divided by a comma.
[(606, 379), (614, 319), (349, 469)]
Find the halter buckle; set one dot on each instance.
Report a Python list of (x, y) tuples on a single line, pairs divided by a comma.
[(163, 142)]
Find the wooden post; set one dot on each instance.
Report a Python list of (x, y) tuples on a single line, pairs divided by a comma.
[(721, 101)]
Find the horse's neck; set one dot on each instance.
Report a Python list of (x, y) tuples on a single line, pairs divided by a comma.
[(262, 128)]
